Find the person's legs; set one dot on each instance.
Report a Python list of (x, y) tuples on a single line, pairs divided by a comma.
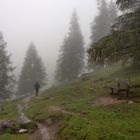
[(36, 90)]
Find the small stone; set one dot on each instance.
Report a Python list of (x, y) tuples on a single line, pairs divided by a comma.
[(49, 121), (130, 102), (23, 131), (6, 124)]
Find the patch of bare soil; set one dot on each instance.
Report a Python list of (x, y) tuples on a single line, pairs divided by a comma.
[(61, 110), (36, 135), (21, 107), (44, 133), (108, 100)]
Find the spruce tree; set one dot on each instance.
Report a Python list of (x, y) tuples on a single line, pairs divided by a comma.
[(128, 4), (33, 70), (71, 58), (130, 21), (102, 25), (6, 71), (124, 41), (99, 27), (113, 14)]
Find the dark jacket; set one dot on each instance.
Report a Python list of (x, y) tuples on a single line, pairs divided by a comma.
[(37, 86)]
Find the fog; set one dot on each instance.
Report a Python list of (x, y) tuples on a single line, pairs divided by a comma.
[(43, 22)]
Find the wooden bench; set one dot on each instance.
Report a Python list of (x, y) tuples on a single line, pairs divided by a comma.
[(123, 86)]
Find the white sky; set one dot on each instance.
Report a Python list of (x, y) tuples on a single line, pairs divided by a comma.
[(44, 22)]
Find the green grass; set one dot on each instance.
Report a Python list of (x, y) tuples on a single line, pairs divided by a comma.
[(8, 110), (115, 122), (14, 137)]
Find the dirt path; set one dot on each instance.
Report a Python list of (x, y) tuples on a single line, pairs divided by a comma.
[(21, 107), (108, 100), (22, 117), (42, 133), (59, 109)]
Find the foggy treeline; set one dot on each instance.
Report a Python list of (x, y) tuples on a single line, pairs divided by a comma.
[(71, 62), (122, 44)]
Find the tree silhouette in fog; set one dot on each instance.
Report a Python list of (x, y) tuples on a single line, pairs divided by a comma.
[(33, 70), (102, 23), (6, 69), (99, 27), (71, 57), (123, 43)]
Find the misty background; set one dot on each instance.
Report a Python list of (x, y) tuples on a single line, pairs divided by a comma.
[(45, 23)]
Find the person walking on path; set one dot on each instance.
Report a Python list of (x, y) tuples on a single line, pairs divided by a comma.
[(37, 87)]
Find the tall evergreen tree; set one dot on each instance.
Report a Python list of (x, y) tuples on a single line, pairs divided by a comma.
[(113, 13), (131, 18), (33, 70), (128, 4), (102, 24), (6, 69), (71, 58), (124, 41), (130, 21), (99, 27)]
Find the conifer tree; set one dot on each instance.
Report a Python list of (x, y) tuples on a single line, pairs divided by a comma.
[(113, 14), (130, 21), (124, 41), (33, 70), (99, 27), (71, 58), (102, 25), (131, 18), (6, 71)]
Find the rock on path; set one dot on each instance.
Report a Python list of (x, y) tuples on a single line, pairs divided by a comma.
[(43, 132), (22, 117)]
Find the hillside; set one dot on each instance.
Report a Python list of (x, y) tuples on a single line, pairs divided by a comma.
[(83, 109), (76, 111)]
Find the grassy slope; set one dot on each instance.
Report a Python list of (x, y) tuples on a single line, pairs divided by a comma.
[(10, 112), (115, 122), (13, 137)]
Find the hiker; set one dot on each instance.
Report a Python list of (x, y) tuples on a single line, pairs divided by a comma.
[(37, 87)]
